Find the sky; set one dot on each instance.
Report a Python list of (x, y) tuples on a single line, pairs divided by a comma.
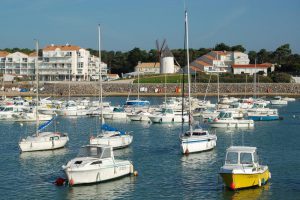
[(126, 24)]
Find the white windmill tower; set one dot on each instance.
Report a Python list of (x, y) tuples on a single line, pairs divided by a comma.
[(166, 58)]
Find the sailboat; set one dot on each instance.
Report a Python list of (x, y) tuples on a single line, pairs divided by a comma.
[(133, 103), (42, 140), (109, 135), (194, 140)]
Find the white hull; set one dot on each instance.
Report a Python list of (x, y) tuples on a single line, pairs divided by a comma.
[(232, 124), (138, 118), (115, 142), (168, 119), (72, 112), (42, 144), (30, 118), (115, 115), (278, 102), (98, 172), (193, 144)]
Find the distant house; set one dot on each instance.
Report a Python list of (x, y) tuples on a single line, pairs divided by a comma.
[(218, 61), (111, 77), (148, 68), (252, 68)]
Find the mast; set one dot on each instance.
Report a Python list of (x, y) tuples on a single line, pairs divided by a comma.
[(100, 72), (37, 86), (254, 79), (188, 69), (138, 71)]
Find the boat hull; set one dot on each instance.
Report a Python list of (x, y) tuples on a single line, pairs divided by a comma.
[(28, 146), (264, 118), (77, 176), (240, 181), (220, 124), (197, 145), (117, 142)]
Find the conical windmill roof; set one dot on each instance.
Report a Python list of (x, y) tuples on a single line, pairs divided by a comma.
[(166, 52)]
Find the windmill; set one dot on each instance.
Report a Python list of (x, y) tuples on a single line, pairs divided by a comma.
[(165, 58)]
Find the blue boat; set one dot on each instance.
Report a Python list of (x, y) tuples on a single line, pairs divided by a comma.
[(137, 102)]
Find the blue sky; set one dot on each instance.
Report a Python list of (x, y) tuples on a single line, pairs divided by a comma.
[(127, 24)]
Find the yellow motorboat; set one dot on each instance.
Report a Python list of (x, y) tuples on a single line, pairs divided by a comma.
[(242, 170)]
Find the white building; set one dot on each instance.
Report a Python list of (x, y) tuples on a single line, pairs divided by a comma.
[(18, 64), (252, 68), (219, 61), (64, 61), (153, 68), (59, 62), (147, 68)]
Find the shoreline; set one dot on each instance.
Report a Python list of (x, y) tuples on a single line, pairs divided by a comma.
[(91, 89), (133, 95)]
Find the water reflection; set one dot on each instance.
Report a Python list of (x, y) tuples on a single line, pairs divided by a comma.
[(251, 193), (198, 160), (116, 189), (38, 155)]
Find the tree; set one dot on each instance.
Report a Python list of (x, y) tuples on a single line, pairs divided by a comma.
[(252, 56), (238, 48), (263, 56), (282, 53), (222, 47), (134, 56)]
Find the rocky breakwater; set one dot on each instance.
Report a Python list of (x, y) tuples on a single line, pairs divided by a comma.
[(115, 89)]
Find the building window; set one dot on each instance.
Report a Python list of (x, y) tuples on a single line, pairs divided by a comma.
[(2, 59), (9, 59), (80, 65), (54, 65), (69, 53), (69, 66), (24, 59), (46, 59)]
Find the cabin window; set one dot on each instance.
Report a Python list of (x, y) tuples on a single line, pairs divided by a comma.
[(232, 158), (97, 162), (255, 157), (78, 162), (106, 153), (246, 158)]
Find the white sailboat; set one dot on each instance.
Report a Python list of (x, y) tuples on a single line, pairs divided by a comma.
[(108, 135), (194, 140), (42, 140)]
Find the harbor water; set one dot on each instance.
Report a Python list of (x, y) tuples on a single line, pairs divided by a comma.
[(163, 172)]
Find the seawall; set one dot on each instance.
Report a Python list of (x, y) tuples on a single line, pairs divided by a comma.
[(125, 89)]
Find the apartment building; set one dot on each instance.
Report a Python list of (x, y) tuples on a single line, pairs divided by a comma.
[(58, 62), (64, 62), (17, 63)]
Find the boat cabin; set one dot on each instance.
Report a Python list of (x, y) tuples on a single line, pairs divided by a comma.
[(196, 133), (96, 151), (241, 155), (225, 115)]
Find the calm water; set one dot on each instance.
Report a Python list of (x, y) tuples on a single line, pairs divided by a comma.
[(163, 172)]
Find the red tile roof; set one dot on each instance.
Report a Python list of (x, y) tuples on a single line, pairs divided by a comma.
[(195, 69), (33, 54), (221, 52), (202, 63), (62, 48), (264, 65), (3, 53), (149, 65), (210, 57)]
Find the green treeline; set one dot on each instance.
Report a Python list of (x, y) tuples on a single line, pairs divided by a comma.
[(123, 62)]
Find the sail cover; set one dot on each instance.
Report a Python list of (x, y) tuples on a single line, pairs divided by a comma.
[(109, 128)]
